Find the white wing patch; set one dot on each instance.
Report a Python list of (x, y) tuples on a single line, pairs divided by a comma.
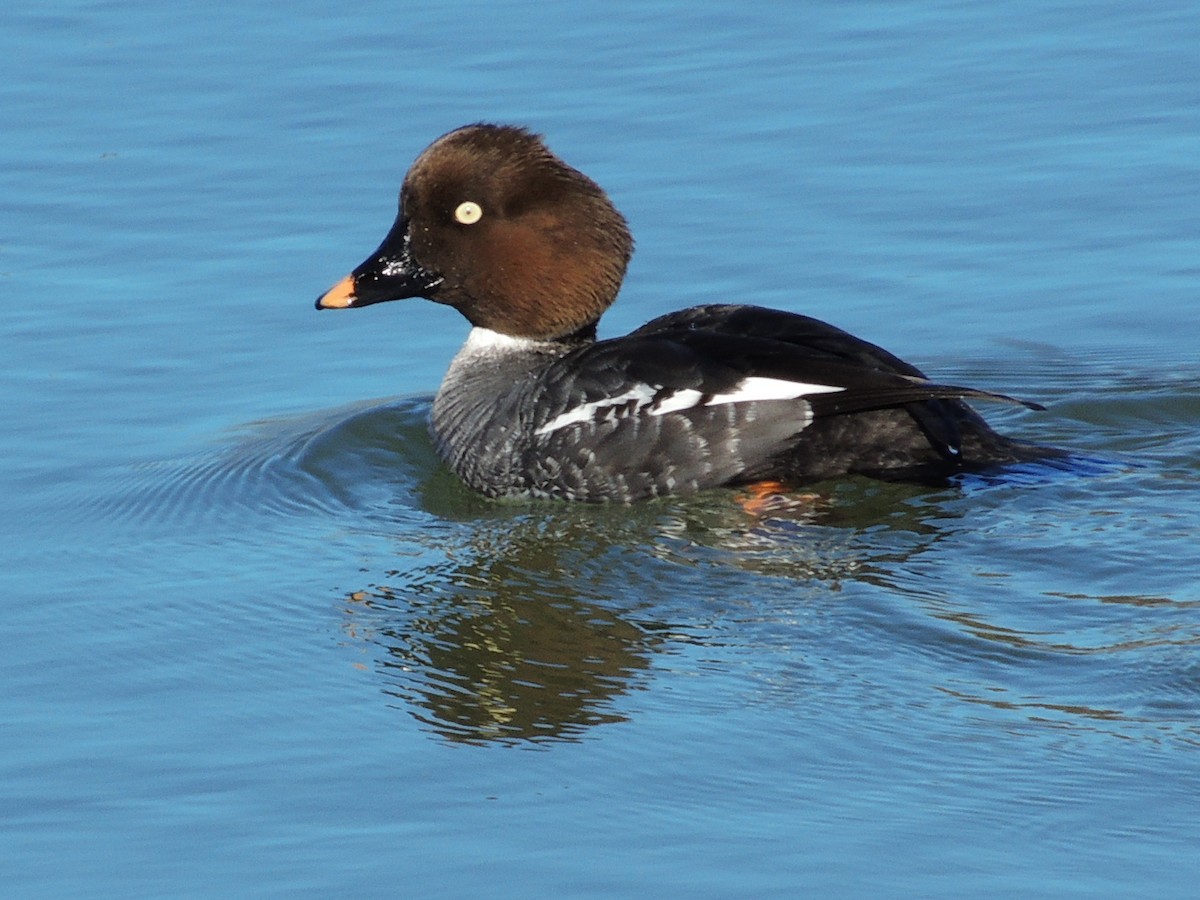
[(754, 388), (651, 400), (639, 395)]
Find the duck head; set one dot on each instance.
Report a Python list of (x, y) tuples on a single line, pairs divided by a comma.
[(495, 225)]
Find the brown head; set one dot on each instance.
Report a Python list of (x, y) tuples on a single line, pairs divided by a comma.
[(495, 225)]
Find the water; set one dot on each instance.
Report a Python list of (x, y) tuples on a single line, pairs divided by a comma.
[(257, 642)]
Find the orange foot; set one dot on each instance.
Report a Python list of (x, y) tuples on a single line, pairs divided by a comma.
[(773, 497)]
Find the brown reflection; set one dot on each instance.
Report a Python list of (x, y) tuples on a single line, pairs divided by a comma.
[(529, 624), (516, 642), (1089, 712), (1126, 599), (508, 667)]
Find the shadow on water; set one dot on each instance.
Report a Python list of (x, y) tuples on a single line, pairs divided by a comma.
[(523, 624)]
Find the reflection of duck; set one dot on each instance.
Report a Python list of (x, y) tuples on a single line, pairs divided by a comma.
[(505, 646), (507, 668), (523, 626), (533, 252)]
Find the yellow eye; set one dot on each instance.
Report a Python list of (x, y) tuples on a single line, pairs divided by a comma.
[(468, 213)]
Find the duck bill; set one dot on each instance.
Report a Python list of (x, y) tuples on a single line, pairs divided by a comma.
[(390, 273)]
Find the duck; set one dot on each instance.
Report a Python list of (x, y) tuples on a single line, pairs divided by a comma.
[(532, 252)]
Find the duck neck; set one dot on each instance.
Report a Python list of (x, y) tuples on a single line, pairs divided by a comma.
[(479, 408)]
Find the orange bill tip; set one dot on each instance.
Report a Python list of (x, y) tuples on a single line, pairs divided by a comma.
[(340, 296)]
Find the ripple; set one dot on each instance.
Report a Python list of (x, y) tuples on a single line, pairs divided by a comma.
[(354, 459), (1033, 601)]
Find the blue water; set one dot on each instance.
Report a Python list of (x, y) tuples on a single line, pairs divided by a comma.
[(255, 641)]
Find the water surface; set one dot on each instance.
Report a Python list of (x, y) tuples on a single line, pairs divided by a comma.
[(257, 641)]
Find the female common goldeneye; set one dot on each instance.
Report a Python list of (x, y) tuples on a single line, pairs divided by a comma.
[(532, 252)]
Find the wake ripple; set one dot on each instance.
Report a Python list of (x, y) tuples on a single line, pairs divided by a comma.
[(328, 463)]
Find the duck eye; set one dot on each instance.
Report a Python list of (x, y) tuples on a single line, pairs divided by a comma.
[(468, 212)]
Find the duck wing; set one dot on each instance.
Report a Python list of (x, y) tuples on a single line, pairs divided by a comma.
[(710, 393)]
